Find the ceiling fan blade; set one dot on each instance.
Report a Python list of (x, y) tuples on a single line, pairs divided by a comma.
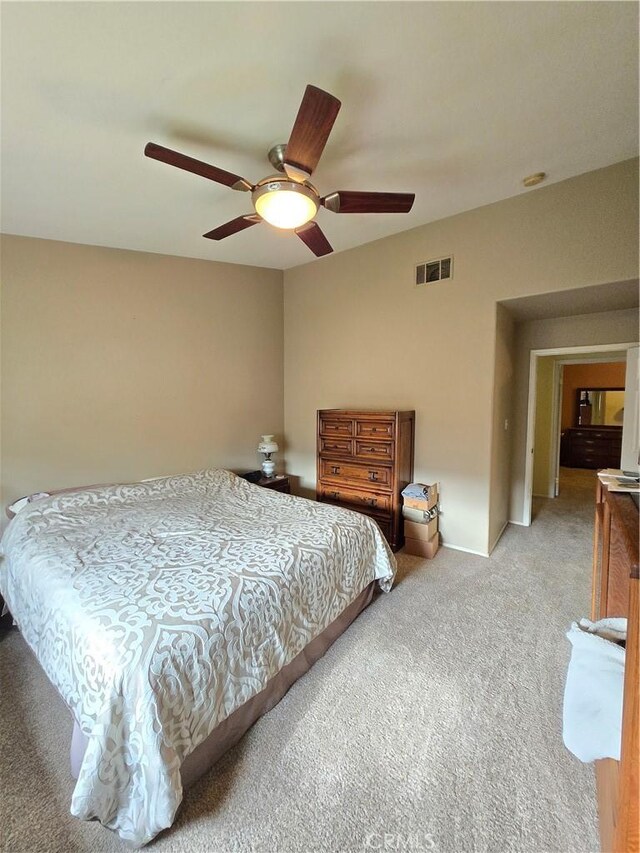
[(232, 227), (311, 234), (311, 130), (345, 201), (189, 164)]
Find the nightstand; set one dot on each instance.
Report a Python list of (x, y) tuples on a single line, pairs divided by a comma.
[(279, 483)]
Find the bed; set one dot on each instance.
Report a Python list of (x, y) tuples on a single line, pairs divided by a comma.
[(170, 614)]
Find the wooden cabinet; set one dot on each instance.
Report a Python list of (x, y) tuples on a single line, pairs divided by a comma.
[(591, 447), (615, 593), (279, 483), (365, 459)]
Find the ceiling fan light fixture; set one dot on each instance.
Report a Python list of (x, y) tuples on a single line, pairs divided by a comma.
[(285, 204)]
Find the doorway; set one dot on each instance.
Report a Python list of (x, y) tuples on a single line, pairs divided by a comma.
[(574, 392), (545, 417)]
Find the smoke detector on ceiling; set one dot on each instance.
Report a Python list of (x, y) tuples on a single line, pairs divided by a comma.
[(533, 180)]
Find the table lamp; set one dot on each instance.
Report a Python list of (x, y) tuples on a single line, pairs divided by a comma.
[(267, 446)]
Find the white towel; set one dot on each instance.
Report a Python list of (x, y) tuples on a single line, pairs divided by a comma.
[(592, 713), (613, 628)]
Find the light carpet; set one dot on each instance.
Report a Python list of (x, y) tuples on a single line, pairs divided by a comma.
[(434, 723)]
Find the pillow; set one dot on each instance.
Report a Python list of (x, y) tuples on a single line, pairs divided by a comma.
[(14, 508)]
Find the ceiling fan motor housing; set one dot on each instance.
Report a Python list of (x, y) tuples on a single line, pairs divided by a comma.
[(276, 156)]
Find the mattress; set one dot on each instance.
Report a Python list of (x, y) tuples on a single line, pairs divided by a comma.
[(158, 609)]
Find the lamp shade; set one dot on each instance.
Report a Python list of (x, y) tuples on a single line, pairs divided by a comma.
[(267, 445)]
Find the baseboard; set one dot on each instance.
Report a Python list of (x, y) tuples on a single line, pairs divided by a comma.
[(519, 523), (466, 550), (499, 536)]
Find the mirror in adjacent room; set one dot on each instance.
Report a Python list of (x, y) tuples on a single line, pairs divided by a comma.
[(600, 406)]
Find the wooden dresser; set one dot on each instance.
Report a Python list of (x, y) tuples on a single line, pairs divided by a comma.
[(365, 459), (591, 447), (615, 593)]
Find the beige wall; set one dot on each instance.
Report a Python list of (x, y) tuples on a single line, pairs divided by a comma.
[(608, 327), (120, 365), (502, 428), (359, 333), (543, 429)]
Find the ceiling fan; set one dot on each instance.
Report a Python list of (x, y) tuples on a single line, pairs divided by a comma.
[(289, 200)]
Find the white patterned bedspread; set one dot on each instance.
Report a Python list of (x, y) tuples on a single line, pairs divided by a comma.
[(159, 608)]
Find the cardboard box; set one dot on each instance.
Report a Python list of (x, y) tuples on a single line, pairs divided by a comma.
[(421, 516), (426, 503), (422, 548), (423, 532)]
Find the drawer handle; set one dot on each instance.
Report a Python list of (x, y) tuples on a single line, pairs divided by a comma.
[(373, 476), (335, 469), (370, 501), (372, 450), (335, 494), (374, 429)]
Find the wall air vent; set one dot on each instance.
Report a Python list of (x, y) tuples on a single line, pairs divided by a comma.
[(436, 270)]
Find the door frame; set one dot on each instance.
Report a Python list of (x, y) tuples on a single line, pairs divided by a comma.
[(534, 355), (556, 423)]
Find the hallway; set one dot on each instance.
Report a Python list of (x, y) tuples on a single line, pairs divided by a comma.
[(575, 501)]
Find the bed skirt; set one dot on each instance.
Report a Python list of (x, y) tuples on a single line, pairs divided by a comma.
[(229, 731)]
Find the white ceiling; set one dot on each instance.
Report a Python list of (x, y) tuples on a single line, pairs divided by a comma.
[(455, 101)]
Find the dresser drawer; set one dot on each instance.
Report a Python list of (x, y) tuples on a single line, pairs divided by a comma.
[(349, 472), (582, 438), (382, 450), (336, 426), (585, 443), (331, 446), (385, 525), (588, 433), (593, 455), (374, 429), (596, 460), (355, 498)]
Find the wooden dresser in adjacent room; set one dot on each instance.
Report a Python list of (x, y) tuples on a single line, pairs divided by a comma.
[(616, 584), (365, 459), (591, 447)]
